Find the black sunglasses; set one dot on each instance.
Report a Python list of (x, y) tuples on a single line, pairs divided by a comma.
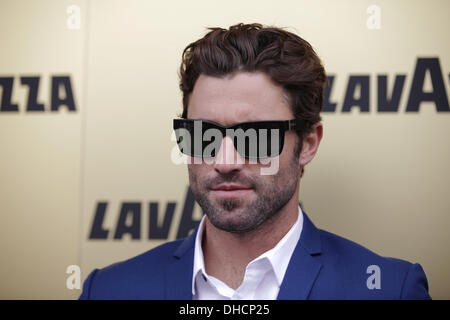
[(252, 140)]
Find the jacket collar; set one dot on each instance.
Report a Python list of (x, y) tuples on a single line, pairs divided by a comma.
[(178, 276), (186, 245), (303, 268), (310, 237)]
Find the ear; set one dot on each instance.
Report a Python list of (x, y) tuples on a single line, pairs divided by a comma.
[(311, 144)]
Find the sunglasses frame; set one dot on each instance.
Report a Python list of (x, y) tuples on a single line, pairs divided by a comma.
[(282, 125)]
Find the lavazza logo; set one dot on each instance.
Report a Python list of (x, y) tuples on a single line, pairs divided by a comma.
[(391, 102), (129, 217), (60, 88)]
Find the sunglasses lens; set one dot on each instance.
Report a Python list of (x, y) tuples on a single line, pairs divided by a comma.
[(260, 140), (197, 138), (183, 136), (252, 140)]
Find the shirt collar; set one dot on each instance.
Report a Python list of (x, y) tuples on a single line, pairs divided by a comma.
[(199, 262), (279, 256)]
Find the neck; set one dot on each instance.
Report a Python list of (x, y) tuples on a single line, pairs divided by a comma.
[(222, 258)]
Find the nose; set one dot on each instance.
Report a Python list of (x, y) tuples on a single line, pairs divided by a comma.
[(228, 159)]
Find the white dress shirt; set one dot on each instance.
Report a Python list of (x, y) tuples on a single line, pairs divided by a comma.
[(263, 276)]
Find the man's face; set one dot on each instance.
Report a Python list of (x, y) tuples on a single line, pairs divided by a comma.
[(233, 194)]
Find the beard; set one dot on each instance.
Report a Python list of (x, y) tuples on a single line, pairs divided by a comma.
[(239, 215)]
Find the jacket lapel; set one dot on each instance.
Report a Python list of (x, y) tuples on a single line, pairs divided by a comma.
[(304, 266), (179, 272)]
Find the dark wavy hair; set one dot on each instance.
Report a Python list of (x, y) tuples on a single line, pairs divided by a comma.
[(289, 60)]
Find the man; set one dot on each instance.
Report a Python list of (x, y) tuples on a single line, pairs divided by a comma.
[(258, 92)]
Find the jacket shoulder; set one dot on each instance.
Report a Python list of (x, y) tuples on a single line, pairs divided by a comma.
[(140, 277), (360, 273)]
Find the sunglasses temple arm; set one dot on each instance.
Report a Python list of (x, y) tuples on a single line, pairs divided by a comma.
[(292, 125), (297, 124)]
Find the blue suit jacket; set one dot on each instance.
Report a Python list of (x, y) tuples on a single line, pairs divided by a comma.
[(323, 266)]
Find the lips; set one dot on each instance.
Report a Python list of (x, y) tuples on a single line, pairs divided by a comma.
[(231, 190), (230, 187)]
